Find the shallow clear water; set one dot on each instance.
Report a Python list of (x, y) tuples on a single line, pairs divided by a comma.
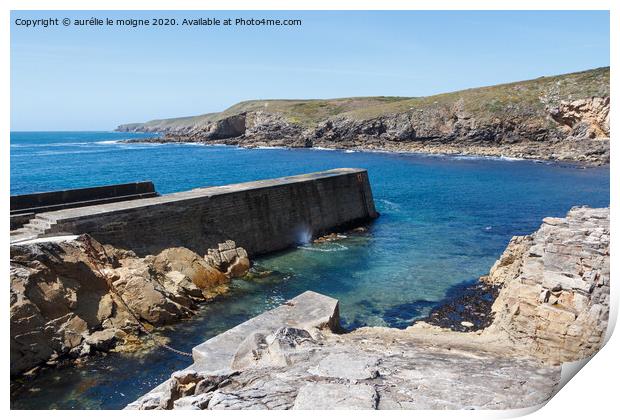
[(444, 220)]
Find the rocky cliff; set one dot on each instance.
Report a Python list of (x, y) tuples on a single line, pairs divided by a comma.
[(552, 307), (557, 118), (554, 297), (71, 297)]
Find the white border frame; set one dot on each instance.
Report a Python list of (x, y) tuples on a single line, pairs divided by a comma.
[(592, 394)]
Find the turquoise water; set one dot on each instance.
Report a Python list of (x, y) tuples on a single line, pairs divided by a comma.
[(444, 220)]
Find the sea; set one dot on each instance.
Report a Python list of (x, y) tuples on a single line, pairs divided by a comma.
[(444, 221)]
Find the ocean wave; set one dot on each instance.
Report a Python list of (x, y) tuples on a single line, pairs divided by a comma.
[(333, 248), (484, 157), (509, 158), (132, 146), (66, 152), (389, 205), (193, 143), (65, 144), (69, 144)]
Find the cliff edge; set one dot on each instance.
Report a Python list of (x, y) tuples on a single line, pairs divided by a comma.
[(562, 117)]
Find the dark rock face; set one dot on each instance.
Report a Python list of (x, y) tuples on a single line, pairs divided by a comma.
[(226, 128), (467, 307)]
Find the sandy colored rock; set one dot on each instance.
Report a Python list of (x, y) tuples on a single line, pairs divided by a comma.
[(72, 296), (191, 265), (103, 340), (229, 259), (554, 300)]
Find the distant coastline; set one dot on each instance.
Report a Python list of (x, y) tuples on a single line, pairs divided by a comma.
[(452, 151), (560, 118)]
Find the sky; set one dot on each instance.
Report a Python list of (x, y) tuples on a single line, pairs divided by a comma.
[(95, 78)]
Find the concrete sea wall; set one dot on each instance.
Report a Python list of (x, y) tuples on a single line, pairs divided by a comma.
[(78, 197), (260, 216), (25, 206)]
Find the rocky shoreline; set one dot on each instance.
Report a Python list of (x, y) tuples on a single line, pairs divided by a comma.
[(552, 306), (584, 152), (560, 118), (544, 302), (467, 307), (72, 298)]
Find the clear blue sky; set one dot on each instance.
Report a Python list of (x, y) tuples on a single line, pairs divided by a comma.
[(96, 78)]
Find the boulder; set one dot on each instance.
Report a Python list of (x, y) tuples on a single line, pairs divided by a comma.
[(190, 264), (103, 340), (229, 259)]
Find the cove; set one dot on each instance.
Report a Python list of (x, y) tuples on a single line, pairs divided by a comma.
[(444, 220)]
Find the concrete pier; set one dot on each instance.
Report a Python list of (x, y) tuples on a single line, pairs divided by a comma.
[(24, 207), (260, 216)]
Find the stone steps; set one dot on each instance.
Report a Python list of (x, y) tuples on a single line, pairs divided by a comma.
[(38, 226)]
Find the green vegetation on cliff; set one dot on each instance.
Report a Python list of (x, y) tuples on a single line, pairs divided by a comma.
[(530, 97)]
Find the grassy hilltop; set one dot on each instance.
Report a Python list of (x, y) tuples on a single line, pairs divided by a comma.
[(490, 101)]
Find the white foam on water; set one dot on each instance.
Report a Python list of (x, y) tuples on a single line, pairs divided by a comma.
[(64, 144), (390, 205), (337, 248), (271, 147)]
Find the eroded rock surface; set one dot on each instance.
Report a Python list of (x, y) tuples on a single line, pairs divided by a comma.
[(583, 118), (554, 300), (229, 258), (368, 369), (73, 297)]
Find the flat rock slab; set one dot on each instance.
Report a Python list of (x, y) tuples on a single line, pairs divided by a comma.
[(347, 366), (329, 396), (308, 311), (373, 368)]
